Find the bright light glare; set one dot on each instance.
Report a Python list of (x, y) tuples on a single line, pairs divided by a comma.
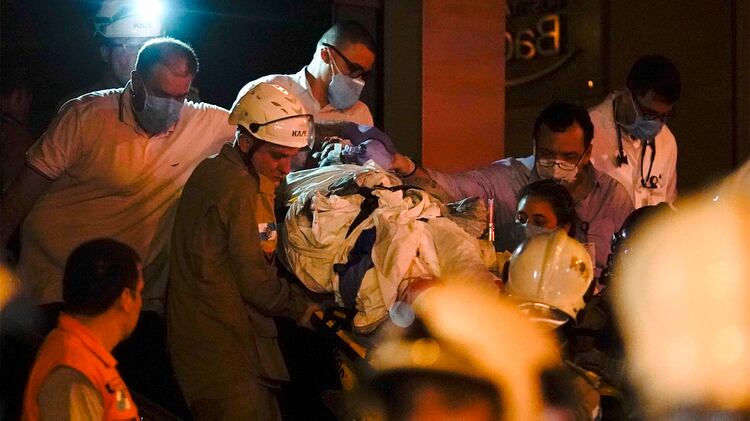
[(150, 8)]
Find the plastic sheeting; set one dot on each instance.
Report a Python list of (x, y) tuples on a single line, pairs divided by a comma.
[(413, 239)]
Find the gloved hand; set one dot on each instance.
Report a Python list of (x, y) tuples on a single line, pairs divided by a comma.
[(368, 150), (359, 133), (330, 153), (343, 153)]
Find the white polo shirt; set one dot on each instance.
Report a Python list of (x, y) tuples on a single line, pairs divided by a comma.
[(604, 158), (110, 179), (298, 85)]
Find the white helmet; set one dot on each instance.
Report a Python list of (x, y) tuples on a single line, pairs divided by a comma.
[(124, 19), (477, 335), (550, 273), (273, 114), (682, 302)]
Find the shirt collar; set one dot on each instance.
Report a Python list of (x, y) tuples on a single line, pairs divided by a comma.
[(74, 327), (301, 78), (312, 105)]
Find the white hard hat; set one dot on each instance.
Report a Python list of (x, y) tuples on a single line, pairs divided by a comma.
[(550, 272), (682, 298), (271, 113), (477, 335), (126, 19)]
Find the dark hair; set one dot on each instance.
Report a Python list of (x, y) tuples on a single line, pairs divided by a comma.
[(398, 391), (160, 51), (560, 115), (348, 32), (95, 275), (557, 196), (257, 143), (655, 73), (632, 224)]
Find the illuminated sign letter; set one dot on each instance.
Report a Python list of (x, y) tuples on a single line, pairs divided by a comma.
[(548, 43), (524, 45)]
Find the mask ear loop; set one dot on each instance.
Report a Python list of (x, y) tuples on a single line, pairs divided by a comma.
[(332, 61)]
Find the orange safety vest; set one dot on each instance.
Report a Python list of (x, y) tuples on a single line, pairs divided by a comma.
[(71, 344)]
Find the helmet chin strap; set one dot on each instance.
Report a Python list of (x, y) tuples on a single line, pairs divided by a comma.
[(255, 144)]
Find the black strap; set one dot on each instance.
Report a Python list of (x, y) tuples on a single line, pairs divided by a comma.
[(369, 204)]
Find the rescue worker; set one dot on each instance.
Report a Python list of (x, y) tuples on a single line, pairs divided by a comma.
[(632, 143), (437, 368), (551, 279), (549, 275), (681, 302), (329, 87), (224, 287), (75, 376), (562, 146), (621, 239), (121, 28)]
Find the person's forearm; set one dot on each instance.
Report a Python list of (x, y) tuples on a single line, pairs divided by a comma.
[(414, 175), (404, 166), (18, 200)]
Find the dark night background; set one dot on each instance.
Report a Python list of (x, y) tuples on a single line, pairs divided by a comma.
[(236, 41)]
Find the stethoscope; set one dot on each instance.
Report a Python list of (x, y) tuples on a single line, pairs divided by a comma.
[(649, 181)]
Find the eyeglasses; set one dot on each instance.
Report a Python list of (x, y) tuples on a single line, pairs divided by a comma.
[(129, 48), (549, 159), (564, 165), (649, 114), (355, 70)]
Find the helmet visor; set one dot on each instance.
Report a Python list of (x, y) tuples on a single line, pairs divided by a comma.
[(544, 316), (295, 131)]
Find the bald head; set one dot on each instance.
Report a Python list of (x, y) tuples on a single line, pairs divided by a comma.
[(169, 52)]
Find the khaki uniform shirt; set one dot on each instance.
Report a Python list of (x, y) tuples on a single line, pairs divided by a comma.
[(223, 286)]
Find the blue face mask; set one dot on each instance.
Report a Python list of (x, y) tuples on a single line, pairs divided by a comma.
[(343, 91), (158, 114), (642, 128), (531, 230)]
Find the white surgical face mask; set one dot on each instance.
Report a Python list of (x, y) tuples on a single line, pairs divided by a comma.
[(641, 127), (557, 170), (531, 230), (158, 114), (343, 91)]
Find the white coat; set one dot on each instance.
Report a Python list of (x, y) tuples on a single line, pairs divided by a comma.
[(605, 151)]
